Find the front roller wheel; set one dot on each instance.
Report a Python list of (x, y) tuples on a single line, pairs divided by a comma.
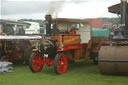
[(34, 62), (60, 63)]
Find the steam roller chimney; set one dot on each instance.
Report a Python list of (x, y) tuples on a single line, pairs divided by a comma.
[(48, 19), (121, 31), (123, 10)]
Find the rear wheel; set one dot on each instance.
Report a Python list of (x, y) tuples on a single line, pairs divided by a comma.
[(5, 58), (27, 54), (60, 63), (95, 60), (35, 62)]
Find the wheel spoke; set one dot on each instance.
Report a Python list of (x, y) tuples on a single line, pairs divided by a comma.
[(62, 68)]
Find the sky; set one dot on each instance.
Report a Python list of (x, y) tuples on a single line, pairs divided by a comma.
[(37, 9)]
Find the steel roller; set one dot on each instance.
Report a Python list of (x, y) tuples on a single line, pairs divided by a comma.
[(113, 59)]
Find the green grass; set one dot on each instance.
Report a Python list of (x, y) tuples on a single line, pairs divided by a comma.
[(80, 73)]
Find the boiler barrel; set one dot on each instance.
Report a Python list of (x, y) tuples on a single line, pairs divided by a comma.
[(113, 59)]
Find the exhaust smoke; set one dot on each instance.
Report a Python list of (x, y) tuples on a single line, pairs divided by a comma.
[(55, 7)]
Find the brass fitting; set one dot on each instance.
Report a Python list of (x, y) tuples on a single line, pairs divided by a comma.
[(45, 48)]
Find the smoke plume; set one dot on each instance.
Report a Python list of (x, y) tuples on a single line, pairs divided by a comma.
[(55, 7)]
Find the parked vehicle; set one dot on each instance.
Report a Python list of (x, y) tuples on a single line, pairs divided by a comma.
[(113, 55), (11, 49), (34, 28), (67, 41)]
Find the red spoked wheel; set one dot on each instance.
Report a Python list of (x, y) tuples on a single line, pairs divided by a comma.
[(35, 62), (60, 63)]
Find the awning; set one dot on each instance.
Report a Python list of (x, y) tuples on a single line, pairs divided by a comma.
[(70, 20), (14, 22), (115, 8)]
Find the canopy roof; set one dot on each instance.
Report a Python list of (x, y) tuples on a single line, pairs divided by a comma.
[(115, 8), (70, 20), (14, 22)]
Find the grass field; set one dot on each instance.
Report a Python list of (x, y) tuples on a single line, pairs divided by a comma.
[(80, 73)]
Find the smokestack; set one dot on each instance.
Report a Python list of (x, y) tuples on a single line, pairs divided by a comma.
[(123, 11), (48, 24), (122, 31)]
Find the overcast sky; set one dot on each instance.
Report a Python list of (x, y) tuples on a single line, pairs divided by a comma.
[(36, 9)]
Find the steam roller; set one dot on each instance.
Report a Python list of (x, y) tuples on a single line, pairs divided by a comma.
[(113, 54)]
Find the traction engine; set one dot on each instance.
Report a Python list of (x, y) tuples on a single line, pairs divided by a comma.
[(48, 53), (59, 49)]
